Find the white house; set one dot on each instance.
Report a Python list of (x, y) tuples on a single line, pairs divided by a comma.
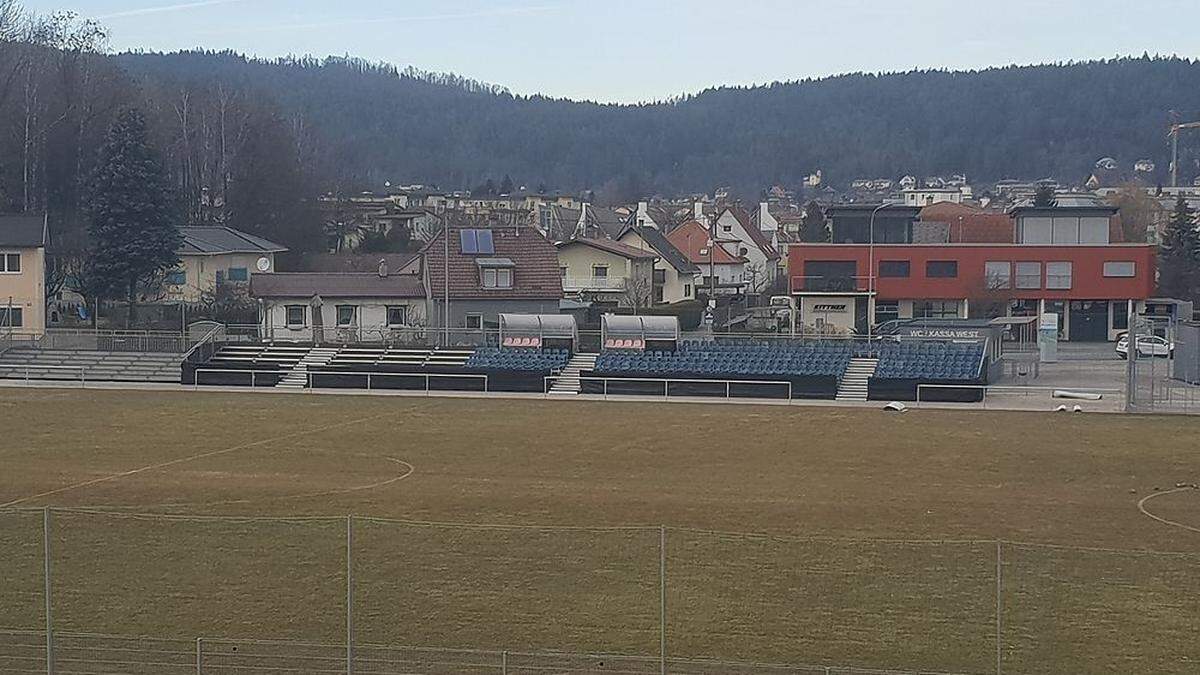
[(341, 306), (763, 262), (675, 277)]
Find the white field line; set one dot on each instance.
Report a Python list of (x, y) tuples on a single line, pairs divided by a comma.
[(192, 458), (1142, 507)]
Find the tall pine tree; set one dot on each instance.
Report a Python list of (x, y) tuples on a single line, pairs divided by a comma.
[(134, 211), (1179, 255)]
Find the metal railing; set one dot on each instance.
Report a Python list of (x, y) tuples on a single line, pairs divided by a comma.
[(594, 283), (27, 367), (832, 283), (205, 347), (666, 385), (371, 377), (169, 342)]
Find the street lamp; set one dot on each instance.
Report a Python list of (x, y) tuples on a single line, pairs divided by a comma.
[(871, 267)]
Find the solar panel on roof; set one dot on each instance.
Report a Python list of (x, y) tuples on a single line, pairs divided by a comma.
[(466, 242), (483, 240)]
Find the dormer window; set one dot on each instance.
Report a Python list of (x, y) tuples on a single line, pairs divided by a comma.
[(495, 272)]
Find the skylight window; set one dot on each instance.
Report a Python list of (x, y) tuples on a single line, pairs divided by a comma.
[(474, 242)]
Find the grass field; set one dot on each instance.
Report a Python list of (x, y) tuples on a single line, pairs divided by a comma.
[(877, 544)]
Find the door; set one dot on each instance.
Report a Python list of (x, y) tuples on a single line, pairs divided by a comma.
[(1089, 321)]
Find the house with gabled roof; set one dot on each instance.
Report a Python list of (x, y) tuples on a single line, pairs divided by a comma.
[(763, 262), (606, 272), (23, 241), (722, 267), (492, 270), (215, 256), (675, 277)]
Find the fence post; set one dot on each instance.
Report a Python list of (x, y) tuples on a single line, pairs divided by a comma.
[(504, 662), (199, 656), (999, 651), (46, 592), (662, 599), (349, 595)]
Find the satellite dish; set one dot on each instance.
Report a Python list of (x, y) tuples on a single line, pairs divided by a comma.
[(263, 264)]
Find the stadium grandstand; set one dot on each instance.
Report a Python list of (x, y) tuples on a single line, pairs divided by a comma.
[(639, 355)]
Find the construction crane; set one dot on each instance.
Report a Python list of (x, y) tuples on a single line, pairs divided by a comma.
[(1174, 136)]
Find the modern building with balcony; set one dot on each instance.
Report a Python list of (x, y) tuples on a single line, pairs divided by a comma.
[(1064, 260)]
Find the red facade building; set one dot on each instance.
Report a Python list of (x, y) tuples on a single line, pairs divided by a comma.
[(1059, 260)]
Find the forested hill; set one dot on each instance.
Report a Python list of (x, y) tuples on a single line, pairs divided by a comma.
[(1050, 120)]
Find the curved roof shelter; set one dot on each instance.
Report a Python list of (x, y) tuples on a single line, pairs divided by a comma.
[(632, 332), (535, 328)]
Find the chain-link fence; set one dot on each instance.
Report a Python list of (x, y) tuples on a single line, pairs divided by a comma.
[(338, 595)]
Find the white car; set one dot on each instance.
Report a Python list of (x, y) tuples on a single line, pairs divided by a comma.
[(1147, 345)]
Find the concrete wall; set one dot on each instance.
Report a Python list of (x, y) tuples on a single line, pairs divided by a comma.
[(26, 290)]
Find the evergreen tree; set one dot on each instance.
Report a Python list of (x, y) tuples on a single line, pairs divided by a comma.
[(813, 228), (1179, 255), (1043, 196), (506, 185), (134, 213)]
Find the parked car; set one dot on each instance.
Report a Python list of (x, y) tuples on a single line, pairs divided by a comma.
[(1147, 345)]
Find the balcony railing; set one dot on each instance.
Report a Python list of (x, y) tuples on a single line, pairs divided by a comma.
[(594, 283), (831, 284)]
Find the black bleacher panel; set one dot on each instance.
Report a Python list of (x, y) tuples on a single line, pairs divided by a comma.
[(905, 365)]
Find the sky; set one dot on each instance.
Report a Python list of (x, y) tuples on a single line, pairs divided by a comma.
[(639, 50)]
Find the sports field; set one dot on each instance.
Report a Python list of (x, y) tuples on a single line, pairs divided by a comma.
[(795, 535)]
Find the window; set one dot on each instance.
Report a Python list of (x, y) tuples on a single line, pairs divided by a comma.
[(935, 309), (295, 316), (1120, 269), (497, 277), (473, 321), (1034, 230), (472, 242), (1058, 275), (1093, 230), (1065, 231), (563, 272), (346, 315), (997, 275), (1029, 275), (886, 310), (239, 274), (658, 293), (10, 263), (1120, 314), (176, 278), (397, 315), (727, 228), (10, 317), (600, 271), (687, 290), (941, 269), (893, 268), (660, 276)]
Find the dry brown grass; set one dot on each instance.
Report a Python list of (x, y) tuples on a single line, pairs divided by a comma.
[(836, 489)]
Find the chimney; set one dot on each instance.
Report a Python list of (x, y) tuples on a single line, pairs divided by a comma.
[(765, 221), (383, 267), (698, 212), (642, 219)]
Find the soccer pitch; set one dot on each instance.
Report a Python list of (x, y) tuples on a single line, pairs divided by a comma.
[(792, 535)]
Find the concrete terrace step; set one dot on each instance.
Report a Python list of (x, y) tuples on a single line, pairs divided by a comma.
[(853, 385)]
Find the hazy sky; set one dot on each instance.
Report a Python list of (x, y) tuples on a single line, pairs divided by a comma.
[(630, 50)]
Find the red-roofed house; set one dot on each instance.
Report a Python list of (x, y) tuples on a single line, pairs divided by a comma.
[(720, 268), (607, 272), (492, 271)]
